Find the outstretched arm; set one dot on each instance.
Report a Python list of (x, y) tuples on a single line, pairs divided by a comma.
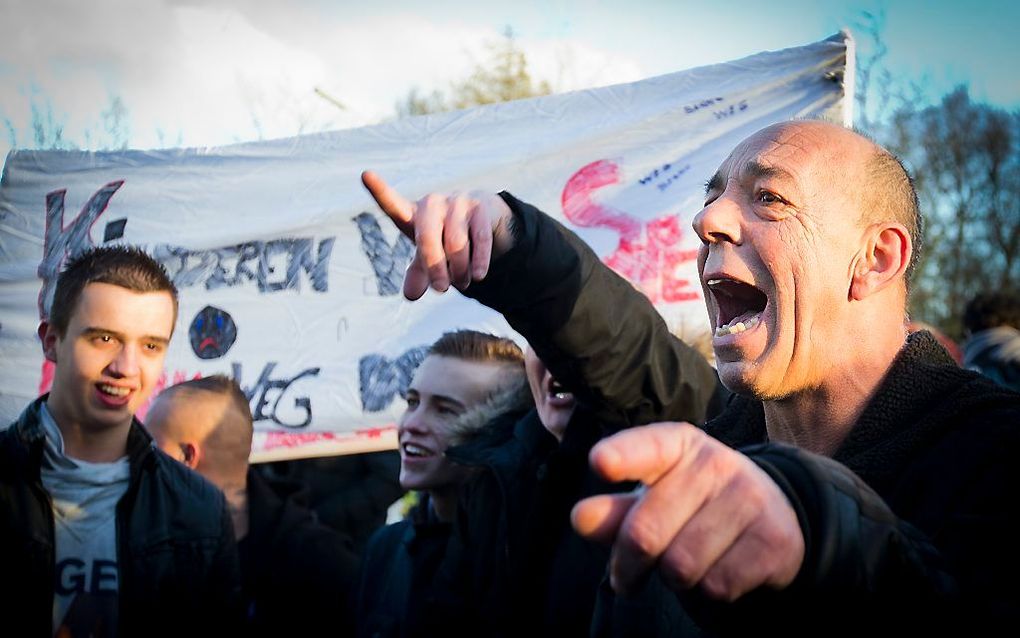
[(599, 336)]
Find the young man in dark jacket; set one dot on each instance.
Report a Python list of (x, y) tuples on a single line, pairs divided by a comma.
[(101, 533), (297, 574), (873, 488), (467, 380)]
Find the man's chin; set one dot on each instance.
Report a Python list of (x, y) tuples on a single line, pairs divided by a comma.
[(735, 376), (108, 418), (743, 378), (748, 381)]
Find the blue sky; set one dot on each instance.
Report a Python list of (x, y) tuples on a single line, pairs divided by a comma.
[(211, 72)]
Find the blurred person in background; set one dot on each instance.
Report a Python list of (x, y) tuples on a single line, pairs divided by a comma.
[(992, 323)]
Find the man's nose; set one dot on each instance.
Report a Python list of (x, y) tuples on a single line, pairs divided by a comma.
[(719, 221), (125, 364), (412, 422)]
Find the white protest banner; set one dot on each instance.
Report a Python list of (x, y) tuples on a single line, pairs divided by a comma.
[(290, 277)]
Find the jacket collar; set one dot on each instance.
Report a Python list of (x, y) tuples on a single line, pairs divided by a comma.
[(888, 429), (29, 432)]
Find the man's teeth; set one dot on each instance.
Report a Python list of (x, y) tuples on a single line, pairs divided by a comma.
[(114, 390), (738, 327), (562, 395), (413, 450)]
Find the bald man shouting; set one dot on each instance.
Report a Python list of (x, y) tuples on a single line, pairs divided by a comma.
[(859, 481)]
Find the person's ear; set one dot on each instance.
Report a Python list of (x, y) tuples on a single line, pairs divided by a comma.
[(49, 338), (191, 454), (882, 261)]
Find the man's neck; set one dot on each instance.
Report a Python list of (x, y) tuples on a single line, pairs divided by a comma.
[(819, 419), (237, 502), (444, 502), (93, 445)]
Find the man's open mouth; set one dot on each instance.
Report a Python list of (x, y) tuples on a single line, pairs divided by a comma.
[(555, 390), (416, 451), (113, 390), (740, 305)]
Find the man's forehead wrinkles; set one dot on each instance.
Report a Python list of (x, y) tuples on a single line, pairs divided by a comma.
[(757, 168), (784, 153)]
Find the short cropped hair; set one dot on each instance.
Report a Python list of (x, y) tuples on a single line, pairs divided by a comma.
[(482, 347), (992, 310), (217, 384), (125, 266), (893, 197), (228, 444)]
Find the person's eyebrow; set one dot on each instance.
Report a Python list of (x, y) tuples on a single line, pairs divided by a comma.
[(715, 183), (442, 398), (758, 170), (95, 331)]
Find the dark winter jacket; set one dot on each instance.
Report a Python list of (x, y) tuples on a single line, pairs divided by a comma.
[(907, 529), (397, 572), (910, 525), (350, 493), (912, 522), (514, 564), (176, 555), (297, 573)]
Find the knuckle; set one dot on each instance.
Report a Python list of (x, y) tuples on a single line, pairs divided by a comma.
[(713, 462), (751, 495), (480, 231), (719, 585), (433, 200), (642, 537), (680, 567), (784, 536), (454, 239)]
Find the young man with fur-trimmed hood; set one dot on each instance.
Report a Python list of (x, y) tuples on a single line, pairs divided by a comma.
[(467, 380)]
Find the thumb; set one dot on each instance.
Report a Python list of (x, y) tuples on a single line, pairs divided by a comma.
[(398, 209)]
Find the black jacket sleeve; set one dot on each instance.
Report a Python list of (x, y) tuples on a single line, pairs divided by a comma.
[(865, 570), (598, 335)]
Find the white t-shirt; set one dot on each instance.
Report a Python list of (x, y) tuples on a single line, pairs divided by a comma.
[(85, 497)]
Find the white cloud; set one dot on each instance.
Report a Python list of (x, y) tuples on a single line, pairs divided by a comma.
[(213, 73)]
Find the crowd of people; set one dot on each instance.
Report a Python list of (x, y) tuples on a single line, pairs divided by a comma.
[(835, 472)]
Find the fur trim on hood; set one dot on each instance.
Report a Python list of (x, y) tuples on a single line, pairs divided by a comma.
[(513, 396)]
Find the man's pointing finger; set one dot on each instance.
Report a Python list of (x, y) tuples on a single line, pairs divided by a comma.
[(398, 209)]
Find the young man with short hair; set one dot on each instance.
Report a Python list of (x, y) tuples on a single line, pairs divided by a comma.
[(466, 380), (101, 533)]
